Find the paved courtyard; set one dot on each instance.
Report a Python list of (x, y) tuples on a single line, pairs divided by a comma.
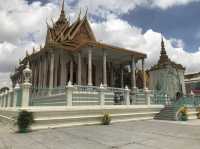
[(130, 135)]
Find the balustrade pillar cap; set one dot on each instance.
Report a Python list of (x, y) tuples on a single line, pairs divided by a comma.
[(69, 84), (101, 86), (126, 87), (17, 86)]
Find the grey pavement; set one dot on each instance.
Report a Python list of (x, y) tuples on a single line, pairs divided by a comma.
[(150, 134)]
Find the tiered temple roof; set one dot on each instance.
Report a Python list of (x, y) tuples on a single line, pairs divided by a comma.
[(164, 60)]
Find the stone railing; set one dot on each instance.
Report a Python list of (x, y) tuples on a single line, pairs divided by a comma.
[(73, 95), (24, 95)]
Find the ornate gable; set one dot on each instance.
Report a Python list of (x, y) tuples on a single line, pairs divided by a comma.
[(83, 32)]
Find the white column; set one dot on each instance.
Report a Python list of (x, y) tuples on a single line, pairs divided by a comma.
[(40, 74), (0, 100), (63, 71), (35, 75), (104, 69), (45, 72), (71, 71), (122, 77), (133, 66), (51, 70), (79, 69), (112, 75), (144, 78), (56, 70), (90, 67)]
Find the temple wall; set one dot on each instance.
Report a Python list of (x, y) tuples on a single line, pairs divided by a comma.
[(167, 80)]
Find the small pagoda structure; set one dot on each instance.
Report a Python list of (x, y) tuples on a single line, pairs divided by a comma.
[(167, 76)]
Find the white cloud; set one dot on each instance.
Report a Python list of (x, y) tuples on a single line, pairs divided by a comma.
[(164, 4), (119, 32), (4, 77), (105, 7)]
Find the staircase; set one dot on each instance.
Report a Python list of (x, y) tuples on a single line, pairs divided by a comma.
[(167, 113)]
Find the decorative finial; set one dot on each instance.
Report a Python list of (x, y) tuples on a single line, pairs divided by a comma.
[(79, 16), (86, 12), (162, 46), (63, 5), (62, 13), (26, 53)]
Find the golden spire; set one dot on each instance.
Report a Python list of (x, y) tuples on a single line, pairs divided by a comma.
[(62, 13), (163, 54), (163, 51)]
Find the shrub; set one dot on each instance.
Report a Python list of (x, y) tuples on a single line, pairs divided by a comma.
[(106, 119), (183, 114), (198, 113), (24, 121)]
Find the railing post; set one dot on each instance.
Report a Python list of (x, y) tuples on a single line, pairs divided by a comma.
[(25, 94), (15, 95), (127, 96), (2, 103), (147, 96), (6, 99), (0, 100), (69, 93), (166, 99), (9, 99), (102, 95), (26, 86)]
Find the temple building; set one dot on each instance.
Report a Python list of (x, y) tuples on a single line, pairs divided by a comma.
[(192, 83), (166, 75), (72, 53)]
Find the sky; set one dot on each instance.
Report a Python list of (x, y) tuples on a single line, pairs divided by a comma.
[(132, 24)]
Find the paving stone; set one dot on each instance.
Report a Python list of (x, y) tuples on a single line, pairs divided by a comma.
[(151, 134)]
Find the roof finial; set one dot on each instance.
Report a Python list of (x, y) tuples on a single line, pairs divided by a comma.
[(63, 8), (162, 45), (63, 5), (79, 16), (86, 12)]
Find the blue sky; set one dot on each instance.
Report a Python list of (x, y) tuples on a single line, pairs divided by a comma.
[(132, 24), (178, 22)]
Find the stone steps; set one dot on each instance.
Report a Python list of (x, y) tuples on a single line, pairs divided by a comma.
[(54, 117), (169, 113)]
